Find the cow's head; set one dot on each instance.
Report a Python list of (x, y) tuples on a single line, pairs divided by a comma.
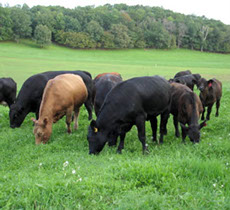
[(17, 115), (96, 138), (197, 77), (205, 85), (193, 131), (42, 130)]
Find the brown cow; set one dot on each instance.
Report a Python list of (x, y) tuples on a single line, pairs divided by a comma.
[(100, 75), (210, 93), (186, 108), (62, 95)]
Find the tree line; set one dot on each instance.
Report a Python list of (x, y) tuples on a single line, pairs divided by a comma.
[(113, 26)]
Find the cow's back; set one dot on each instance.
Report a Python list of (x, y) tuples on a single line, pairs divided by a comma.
[(182, 73), (104, 74), (63, 91), (30, 95), (8, 89), (103, 85), (218, 88), (150, 95)]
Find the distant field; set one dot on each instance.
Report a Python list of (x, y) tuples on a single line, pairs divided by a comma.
[(172, 176), (24, 60)]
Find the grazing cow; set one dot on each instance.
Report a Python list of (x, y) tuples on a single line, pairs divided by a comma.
[(182, 73), (188, 80), (62, 95), (8, 89), (186, 108), (210, 93), (103, 85), (30, 95), (129, 103)]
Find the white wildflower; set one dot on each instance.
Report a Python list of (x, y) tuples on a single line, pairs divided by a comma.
[(222, 186), (79, 180), (40, 164), (214, 185), (210, 144), (65, 164), (227, 164), (73, 171)]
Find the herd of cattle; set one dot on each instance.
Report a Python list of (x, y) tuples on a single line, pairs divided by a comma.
[(118, 104)]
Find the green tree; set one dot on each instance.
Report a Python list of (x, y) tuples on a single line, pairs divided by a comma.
[(95, 31), (121, 37), (72, 24), (21, 22), (42, 35), (181, 33), (156, 36), (6, 32), (43, 16), (107, 40)]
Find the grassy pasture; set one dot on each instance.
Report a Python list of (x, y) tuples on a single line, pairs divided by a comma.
[(172, 176)]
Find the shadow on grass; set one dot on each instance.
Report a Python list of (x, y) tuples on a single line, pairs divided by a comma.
[(32, 44)]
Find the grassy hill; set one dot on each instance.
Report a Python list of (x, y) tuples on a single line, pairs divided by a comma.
[(25, 59), (172, 176)]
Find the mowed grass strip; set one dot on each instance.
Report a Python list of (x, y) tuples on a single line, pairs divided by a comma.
[(61, 174)]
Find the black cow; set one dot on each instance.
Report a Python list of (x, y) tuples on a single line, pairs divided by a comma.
[(182, 73), (129, 103), (210, 93), (8, 90), (30, 95), (188, 80), (186, 108), (103, 85)]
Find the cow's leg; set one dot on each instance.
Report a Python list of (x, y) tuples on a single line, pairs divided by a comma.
[(202, 116), (76, 115), (153, 122), (122, 142), (209, 112), (217, 107), (69, 119), (37, 115), (89, 108), (175, 122), (184, 134), (163, 125), (140, 123)]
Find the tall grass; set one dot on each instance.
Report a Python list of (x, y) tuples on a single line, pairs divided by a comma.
[(172, 176)]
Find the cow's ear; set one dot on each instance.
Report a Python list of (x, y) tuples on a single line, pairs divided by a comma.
[(34, 120), (93, 125), (210, 82), (202, 124), (45, 121)]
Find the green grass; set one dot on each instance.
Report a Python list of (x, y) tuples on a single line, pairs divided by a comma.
[(172, 176)]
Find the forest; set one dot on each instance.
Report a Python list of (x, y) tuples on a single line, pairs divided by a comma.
[(116, 26)]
